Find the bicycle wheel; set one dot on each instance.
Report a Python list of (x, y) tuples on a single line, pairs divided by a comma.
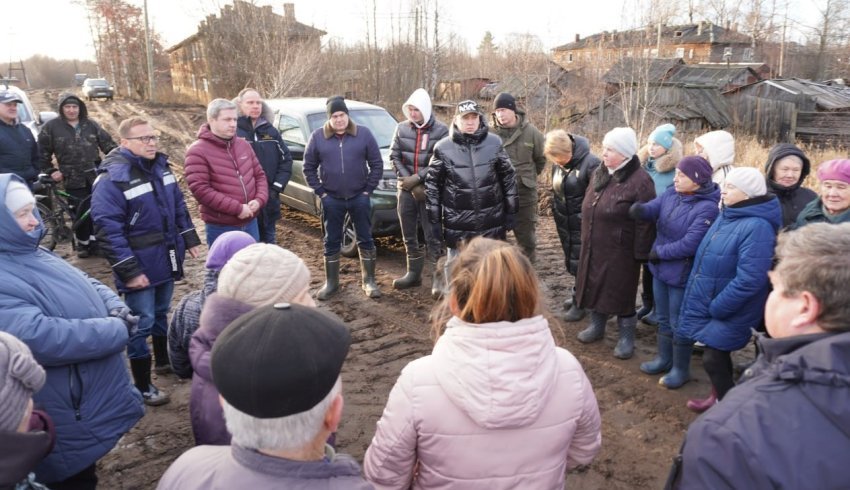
[(55, 226)]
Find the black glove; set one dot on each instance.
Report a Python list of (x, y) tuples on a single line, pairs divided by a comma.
[(409, 182), (653, 256), (131, 321), (635, 210)]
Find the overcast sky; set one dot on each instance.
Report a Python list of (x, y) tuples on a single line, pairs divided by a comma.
[(58, 28)]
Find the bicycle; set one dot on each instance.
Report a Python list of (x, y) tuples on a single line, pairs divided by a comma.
[(58, 212)]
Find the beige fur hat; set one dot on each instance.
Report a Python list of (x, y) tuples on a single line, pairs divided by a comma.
[(262, 274)]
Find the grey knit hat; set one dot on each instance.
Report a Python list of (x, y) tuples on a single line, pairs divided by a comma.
[(20, 377)]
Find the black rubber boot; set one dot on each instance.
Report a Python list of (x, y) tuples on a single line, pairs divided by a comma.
[(575, 313), (596, 330), (413, 278), (367, 272), (331, 278), (160, 354), (141, 369)]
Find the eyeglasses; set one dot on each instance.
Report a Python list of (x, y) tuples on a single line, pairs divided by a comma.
[(145, 139)]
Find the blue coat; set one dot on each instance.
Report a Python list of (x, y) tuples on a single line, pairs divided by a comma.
[(18, 151), (139, 214), (62, 315), (681, 221), (343, 167), (728, 285), (785, 425)]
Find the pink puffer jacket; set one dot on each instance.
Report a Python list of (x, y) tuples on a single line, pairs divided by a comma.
[(496, 406), (223, 175)]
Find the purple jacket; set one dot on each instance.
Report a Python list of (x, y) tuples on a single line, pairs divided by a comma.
[(204, 408), (681, 221), (236, 467)]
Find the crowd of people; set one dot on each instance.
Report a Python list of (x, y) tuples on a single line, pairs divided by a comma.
[(724, 253)]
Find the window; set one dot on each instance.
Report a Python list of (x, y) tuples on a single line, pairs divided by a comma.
[(691, 53), (645, 52), (727, 54), (748, 54), (680, 52), (569, 57), (206, 84), (677, 34), (290, 130)]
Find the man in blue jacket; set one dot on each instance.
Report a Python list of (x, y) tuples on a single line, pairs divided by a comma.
[(144, 229), (785, 424), (343, 165), (254, 126), (18, 148)]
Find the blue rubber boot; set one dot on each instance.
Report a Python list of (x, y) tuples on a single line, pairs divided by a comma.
[(664, 359), (681, 372)]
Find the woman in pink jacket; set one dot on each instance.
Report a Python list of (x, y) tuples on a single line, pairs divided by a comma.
[(497, 404)]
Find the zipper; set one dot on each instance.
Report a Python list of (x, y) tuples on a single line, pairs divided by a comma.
[(341, 157), (416, 152), (238, 174), (76, 398)]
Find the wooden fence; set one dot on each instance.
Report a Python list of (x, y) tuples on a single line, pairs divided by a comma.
[(776, 121), (823, 129)]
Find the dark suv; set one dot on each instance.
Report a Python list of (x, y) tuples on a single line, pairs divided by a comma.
[(297, 118)]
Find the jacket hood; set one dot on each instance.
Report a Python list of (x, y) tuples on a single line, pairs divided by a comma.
[(219, 311), (267, 113), (778, 152), (766, 207), (14, 239), (720, 148), (205, 133), (499, 374), (478, 136), (422, 101), (668, 161), (581, 148), (709, 192), (84, 112), (819, 364)]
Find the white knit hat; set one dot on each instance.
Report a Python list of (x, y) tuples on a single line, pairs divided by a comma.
[(18, 195), (621, 140), (263, 274), (748, 180)]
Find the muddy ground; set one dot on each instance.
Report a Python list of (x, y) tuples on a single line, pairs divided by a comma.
[(643, 423)]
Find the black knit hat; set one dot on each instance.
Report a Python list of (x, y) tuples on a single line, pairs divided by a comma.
[(279, 360), (336, 104), (505, 101)]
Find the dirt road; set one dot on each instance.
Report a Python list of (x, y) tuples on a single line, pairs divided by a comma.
[(643, 423)]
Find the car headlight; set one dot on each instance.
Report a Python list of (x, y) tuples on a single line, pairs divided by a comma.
[(387, 184)]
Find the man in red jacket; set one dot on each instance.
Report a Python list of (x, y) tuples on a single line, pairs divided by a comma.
[(224, 175)]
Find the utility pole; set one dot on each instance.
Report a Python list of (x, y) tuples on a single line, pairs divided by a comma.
[(151, 96)]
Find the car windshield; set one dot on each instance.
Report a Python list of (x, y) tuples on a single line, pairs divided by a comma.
[(379, 121), (98, 83), (24, 114)]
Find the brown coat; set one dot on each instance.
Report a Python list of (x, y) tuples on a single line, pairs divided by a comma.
[(612, 243)]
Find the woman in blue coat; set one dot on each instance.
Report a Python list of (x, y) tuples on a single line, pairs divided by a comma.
[(73, 325), (728, 286), (682, 216)]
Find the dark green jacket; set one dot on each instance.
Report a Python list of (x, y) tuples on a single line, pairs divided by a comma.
[(524, 145)]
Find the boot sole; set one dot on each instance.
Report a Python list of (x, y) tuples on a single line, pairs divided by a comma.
[(406, 286)]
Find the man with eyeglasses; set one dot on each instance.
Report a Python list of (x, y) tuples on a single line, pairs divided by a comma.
[(77, 142), (144, 230)]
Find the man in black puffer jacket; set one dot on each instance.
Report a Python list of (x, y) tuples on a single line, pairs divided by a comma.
[(573, 167), (411, 150), (470, 186), (785, 170), (255, 126)]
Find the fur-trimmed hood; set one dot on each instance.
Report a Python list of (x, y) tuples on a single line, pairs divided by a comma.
[(328, 131), (668, 161)]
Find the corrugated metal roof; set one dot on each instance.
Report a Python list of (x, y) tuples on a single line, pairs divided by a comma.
[(826, 97)]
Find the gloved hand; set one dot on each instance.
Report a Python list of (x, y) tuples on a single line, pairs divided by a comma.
[(409, 182), (131, 321)]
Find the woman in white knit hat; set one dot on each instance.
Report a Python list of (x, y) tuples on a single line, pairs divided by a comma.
[(258, 275), (613, 245), (728, 285)]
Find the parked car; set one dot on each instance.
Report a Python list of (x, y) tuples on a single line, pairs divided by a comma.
[(96, 88), (297, 118), (26, 113), (79, 78)]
